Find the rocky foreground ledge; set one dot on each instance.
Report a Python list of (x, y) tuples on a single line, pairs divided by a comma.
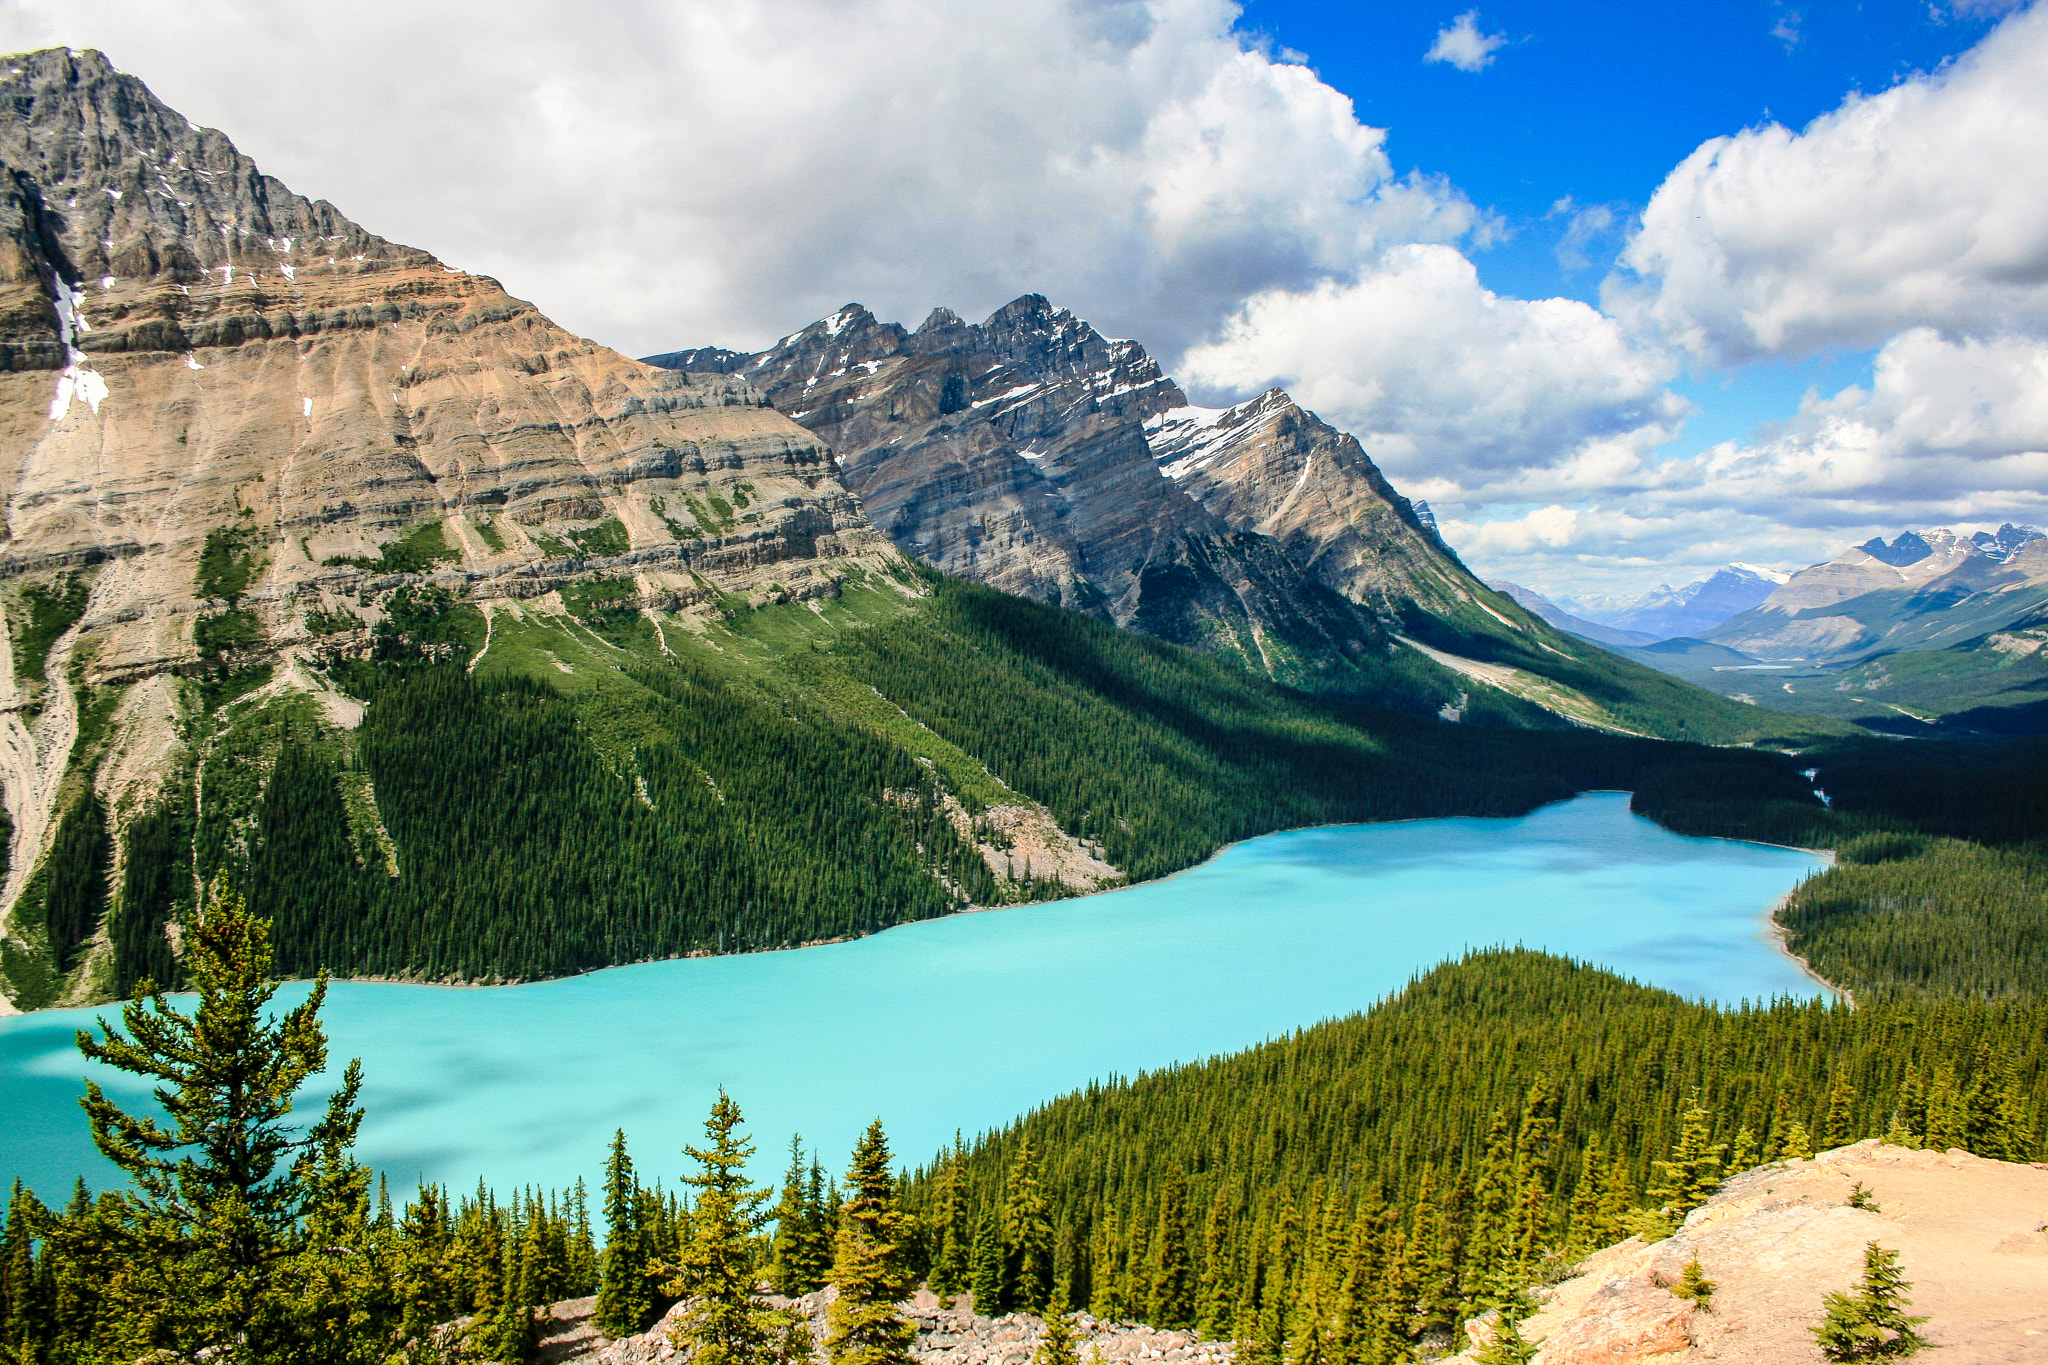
[(1972, 1237), (945, 1336)]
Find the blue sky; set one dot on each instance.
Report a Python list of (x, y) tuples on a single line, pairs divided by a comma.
[(1625, 291), (1596, 103), (1590, 106)]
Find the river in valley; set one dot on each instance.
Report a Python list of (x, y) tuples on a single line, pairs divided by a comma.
[(969, 1021)]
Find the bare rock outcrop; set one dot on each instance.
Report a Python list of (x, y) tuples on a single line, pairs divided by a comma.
[(1971, 1233), (945, 1336)]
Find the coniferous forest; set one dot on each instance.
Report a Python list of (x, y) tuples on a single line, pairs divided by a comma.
[(495, 818), (1346, 1194)]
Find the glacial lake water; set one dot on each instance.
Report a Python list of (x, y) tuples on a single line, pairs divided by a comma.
[(965, 1023)]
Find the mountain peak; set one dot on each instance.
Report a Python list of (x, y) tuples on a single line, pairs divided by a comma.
[(1907, 547)]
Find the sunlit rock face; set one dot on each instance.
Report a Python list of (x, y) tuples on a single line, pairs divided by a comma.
[(187, 345), (1032, 453)]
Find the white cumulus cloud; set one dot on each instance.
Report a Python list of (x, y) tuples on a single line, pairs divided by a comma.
[(1451, 386), (1925, 205), (662, 174), (1462, 44)]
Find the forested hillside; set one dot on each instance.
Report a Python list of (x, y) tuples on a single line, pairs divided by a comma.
[(1368, 1183), (549, 789)]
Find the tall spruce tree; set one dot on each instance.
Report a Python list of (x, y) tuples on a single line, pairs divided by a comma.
[(1173, 1278), (723, 1324), (623, 1303), (864, 1326), (947, 1228), (986, 1270), (25, 1306), (216, 1222), (1027, 1233), (800, 1254)]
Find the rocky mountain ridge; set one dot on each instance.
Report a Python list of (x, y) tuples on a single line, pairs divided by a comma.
[(1033, 454)]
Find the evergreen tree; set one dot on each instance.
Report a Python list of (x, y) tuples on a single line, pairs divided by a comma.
[(1838, 1129), (1694, 1287), (1056, 1347), (1507, 1345), (1027, 1236), (513, 1337), (582, 1258), (800, 1253), (216, 1223), (426, 1289), (948, 1228), (25, 1308), (1693, 1172), (986, 1272), (1870, 1322), (1212, 1296), (623, 1303), (723, 1324), (1173, 1280), (1744, 1155), (864, 1326)]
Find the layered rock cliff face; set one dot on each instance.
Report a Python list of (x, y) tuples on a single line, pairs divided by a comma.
[(189, 350), (1031, 453)]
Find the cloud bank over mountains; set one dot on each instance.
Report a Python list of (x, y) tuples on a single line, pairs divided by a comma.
[(658, 175)]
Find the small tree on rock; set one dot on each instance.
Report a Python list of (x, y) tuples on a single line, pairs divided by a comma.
[(1870, 1322), (1694, 1287)]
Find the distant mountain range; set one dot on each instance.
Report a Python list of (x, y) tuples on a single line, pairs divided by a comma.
[(1892, 634)]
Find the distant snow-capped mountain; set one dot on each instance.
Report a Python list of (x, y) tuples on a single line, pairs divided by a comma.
[(1666, 612)]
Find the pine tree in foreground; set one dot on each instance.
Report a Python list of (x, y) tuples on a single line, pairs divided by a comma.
[(864, 1326), (1870, 1322), (724, 1325), (215, 1230), (623, 1304)]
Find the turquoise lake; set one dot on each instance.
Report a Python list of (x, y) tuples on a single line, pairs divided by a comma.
[(969, 1021)]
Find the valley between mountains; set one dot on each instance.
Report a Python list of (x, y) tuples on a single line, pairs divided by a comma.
[(341, 569)]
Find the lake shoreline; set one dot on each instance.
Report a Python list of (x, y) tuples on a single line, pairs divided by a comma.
[(1772, 933)]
